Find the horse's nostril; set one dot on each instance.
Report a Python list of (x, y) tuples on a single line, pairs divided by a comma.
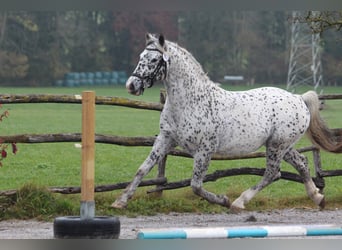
[(131, 87)]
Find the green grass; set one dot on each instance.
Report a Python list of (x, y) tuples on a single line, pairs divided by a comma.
[(58, 164)]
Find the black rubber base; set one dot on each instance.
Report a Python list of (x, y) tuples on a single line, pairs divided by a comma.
[(99, 227)]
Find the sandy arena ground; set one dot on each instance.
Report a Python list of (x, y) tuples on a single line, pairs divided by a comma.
[(31, 229)]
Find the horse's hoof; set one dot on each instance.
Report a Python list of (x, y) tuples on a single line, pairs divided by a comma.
[(235, 209), (322, 203), (119, 204)]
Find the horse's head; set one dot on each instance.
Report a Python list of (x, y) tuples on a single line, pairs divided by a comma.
[(152, 65)]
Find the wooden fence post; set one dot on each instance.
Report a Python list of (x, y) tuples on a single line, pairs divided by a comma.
[(88, 155)]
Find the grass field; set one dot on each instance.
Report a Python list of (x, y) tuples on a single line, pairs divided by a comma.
[(58, 164)]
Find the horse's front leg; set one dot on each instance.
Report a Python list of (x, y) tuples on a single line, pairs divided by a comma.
[(201, 163), (159, 150)]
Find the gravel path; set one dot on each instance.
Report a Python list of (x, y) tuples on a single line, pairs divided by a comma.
[(31, 229)]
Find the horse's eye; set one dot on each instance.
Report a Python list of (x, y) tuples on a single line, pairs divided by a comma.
[(153, 60)]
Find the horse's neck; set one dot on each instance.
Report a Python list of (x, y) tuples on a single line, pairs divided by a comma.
[(186, 78)]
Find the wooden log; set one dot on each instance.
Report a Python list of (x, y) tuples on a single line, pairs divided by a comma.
[(331, 173), (98, 188), (39, 98), (101, 100), (77, 99), (108, 187), (42, 138), (125, 102), (163, 185), (151, 182), (123, 141), (330, 96), (8, 192), (225, 173), (76, 137)]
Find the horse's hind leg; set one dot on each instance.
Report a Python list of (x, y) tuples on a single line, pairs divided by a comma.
[(300, 163), (201, 163), (159, 150), (272, 172)]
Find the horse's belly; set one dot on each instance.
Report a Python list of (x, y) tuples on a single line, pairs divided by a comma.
[(242, 143), (240, 148)]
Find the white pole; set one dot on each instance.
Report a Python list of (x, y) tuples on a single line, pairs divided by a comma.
[(241, 232)]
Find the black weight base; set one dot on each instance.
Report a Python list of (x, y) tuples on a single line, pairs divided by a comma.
[(99, 227)]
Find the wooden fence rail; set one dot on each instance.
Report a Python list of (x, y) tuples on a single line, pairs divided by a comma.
[(77, 99), (123, 141), (160, 181)]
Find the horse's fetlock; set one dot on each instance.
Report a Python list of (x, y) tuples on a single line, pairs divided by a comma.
[(237, 205)]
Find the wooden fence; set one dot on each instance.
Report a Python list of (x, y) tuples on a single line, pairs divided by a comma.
[(160, 181)]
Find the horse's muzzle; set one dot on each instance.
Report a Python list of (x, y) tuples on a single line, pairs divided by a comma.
[(134, 86)]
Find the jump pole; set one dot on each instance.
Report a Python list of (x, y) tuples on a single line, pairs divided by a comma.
[(241, 232), (87, 225)]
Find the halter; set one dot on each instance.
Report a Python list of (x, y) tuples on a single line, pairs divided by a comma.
[(151, 78)]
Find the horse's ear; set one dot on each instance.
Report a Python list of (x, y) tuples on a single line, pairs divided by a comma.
[(161, 40), (148, 37)]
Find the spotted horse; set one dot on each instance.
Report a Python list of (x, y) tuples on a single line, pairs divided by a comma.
[(204, 119)]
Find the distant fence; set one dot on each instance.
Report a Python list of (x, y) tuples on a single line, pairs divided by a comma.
[(160, 181)]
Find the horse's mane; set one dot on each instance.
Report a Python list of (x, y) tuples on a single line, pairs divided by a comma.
[(198, 66)]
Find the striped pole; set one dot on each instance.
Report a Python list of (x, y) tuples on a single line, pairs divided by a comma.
[(241, 232)]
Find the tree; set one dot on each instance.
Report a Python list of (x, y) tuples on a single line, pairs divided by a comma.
[(86, 40), (37, 48), (211, 37), (328, 24), (13, 59), (320, 21), (130, 29), (247, 43), (269, 53)]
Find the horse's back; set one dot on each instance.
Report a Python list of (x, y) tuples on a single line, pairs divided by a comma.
[(276, 107), (256, 115)]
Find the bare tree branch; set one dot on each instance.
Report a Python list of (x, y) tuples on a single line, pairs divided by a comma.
[(320, 21)]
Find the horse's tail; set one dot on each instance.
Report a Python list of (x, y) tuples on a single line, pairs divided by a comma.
[(318, 132)]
